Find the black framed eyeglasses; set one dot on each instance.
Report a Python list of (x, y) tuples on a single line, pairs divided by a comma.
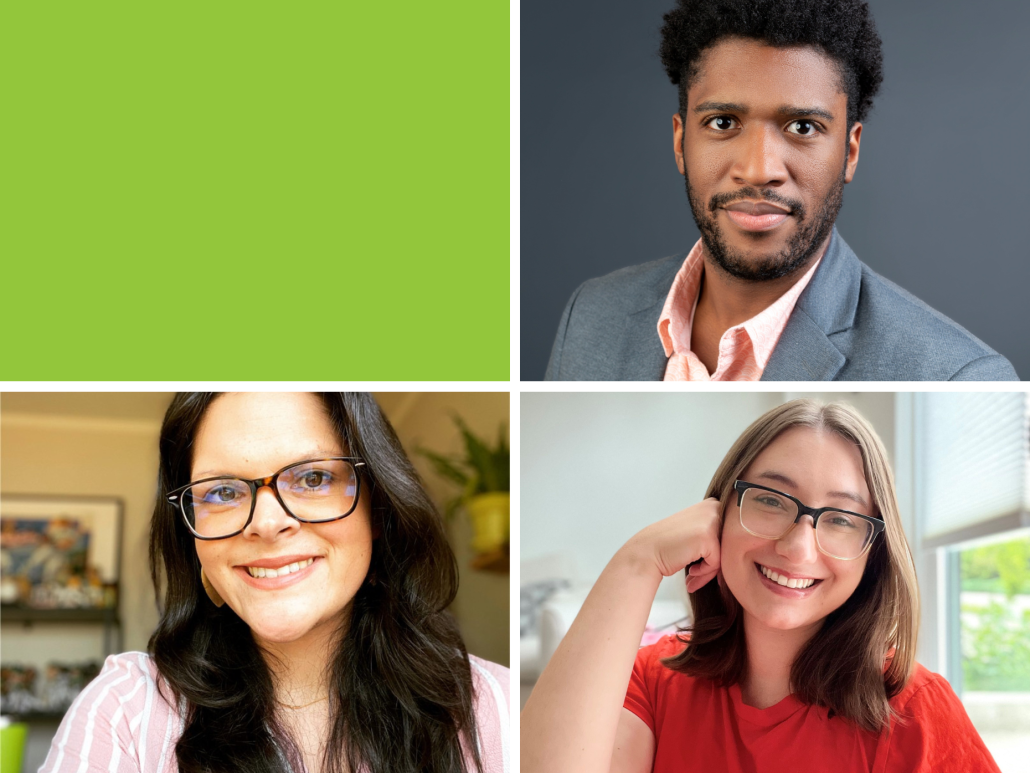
[(768, 513), (311, 491)]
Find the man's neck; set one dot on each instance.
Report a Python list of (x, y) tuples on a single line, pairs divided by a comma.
[(725, 301)]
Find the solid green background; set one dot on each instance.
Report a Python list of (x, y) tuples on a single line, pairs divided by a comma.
[(254, 191)]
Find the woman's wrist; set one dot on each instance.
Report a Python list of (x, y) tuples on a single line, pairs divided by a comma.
[(638, 558)]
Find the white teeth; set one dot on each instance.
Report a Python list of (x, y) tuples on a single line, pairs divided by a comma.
[(784, 581), (257, 571)]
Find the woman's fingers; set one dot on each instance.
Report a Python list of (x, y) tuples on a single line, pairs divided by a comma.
[(704, 566), (686, 537), (699, 574), (695, 584)]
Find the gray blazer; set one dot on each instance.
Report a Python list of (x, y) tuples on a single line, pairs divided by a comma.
[(850, 324)]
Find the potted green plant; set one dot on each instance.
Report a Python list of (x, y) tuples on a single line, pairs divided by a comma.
[(484, 474)]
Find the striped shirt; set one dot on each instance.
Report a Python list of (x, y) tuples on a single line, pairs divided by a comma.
[(121, 723)]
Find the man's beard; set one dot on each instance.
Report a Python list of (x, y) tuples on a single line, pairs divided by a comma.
[(807, 239)]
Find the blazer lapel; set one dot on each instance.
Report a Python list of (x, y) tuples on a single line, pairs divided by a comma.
[(804, 353), (643, 357), (827, 306), (639, 355)]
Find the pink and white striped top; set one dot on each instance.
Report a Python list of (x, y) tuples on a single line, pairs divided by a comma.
[(120, 723)]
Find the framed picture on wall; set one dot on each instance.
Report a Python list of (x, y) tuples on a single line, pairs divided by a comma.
[(59, 552)]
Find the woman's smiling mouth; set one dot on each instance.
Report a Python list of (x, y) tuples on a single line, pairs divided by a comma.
[(792, 588), (258, 571), (268, 578)]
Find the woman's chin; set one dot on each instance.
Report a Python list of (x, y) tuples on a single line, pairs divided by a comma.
[(280, 634), (280, 630)]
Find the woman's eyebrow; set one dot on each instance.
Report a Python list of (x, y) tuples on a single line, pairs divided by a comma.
[(781, 478), (318, 453)]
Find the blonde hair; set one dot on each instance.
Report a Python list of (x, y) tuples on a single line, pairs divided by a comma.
[(843, 666)]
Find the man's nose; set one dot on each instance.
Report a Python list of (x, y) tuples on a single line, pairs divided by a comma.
[(759, 161)]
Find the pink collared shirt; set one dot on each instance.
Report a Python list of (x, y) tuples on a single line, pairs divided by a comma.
[(744, 350)]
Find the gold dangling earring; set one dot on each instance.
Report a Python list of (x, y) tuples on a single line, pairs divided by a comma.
[(210, 590)]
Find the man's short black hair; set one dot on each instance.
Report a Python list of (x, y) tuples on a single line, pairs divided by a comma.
[(843, 29)]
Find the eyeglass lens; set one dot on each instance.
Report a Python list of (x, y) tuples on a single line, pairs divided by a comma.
[(312, 491), (770, 515)]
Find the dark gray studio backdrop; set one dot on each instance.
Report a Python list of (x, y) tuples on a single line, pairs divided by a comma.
[(940, 202)]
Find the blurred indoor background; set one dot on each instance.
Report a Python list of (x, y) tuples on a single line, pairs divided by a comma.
[(101, 448)]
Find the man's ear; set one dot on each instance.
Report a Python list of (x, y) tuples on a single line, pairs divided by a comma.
[(854, 140), (677, 142)]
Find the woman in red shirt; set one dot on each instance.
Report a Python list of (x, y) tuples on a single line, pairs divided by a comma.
[(800, 657)]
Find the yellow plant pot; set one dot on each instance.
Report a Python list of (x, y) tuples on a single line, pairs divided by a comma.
[(12, 741), (490, 514)]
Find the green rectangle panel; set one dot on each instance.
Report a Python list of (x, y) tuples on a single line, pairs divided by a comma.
[(228, 190)]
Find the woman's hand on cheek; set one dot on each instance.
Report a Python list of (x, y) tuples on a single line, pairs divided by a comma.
[(688, 536), (699, 575)]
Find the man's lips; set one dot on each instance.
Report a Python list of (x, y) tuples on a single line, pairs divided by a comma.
[(757, 208), (756, 215)]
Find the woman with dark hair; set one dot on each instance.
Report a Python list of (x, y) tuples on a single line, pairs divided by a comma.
[(800, 657), (305, 576)]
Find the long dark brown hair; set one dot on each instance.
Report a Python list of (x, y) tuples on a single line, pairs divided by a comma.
[(842, 666), (400, 681)]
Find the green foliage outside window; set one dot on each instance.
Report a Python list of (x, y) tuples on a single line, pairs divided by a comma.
[(1002, 568), (996, 654), (996, 651)]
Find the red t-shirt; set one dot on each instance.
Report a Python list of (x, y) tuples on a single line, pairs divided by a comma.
[(700, 726)]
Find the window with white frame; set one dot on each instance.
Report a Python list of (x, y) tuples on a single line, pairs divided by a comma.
[(971, 500)]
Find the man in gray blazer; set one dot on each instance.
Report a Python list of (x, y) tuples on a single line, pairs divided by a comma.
[(772, 95), (850, 324)]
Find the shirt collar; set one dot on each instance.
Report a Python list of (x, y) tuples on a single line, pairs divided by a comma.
[(764, 329)]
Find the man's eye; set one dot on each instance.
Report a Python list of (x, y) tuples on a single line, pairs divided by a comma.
[(802, 128), (722, 123)]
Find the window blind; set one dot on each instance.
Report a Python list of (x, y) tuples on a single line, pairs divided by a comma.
[(973, 464)]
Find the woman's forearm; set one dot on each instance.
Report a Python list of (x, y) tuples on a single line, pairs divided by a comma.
[(570, 720)]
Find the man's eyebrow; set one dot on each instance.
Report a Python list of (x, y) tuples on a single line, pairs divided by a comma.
[(781, 478), (804, 112), (726, 107), (788, 111)]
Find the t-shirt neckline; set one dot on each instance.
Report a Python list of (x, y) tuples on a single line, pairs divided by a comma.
[(763, 717)]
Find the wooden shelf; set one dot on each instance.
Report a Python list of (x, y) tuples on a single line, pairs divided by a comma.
[(12, 613), (492, 562), (39, 716)]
